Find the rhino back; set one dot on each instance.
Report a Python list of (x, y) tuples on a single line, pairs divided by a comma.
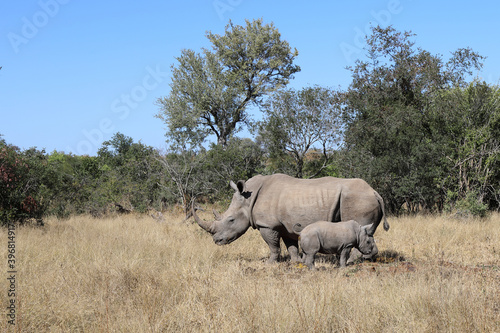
[(333, 237), (285, 201)]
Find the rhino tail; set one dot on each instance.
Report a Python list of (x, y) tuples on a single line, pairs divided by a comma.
[(386, 224), (382, 206), (297, 228)]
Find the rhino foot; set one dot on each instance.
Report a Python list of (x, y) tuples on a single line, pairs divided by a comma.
[(272, 261)]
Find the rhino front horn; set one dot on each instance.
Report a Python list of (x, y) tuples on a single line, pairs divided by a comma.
[(207, 226)]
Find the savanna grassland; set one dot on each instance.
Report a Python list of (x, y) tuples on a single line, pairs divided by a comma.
[(134, 274)]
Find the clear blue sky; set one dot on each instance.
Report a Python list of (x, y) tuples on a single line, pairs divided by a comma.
[(76, 72)]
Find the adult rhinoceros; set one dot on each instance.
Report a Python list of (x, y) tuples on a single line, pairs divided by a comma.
[(274, 204)]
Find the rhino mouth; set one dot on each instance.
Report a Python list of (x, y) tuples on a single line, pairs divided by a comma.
[(223, 241), (369, 254)]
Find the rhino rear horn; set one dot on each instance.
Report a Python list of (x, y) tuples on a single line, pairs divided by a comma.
[(217, 215), (207, 226)]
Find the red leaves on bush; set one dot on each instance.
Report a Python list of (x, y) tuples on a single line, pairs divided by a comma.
[(16, 190), (29, 204)]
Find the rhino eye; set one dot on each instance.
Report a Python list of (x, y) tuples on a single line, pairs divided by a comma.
[(230, 220)]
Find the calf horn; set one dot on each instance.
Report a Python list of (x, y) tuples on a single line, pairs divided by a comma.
[(207, 226)]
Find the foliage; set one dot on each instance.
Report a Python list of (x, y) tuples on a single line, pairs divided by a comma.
[(125, 176), (301, 128), (210, 91), (67, 173), (472, 129), (130, 174), (206, 174), (467, 206), (392, 126), (183, 179), (20, 195), (242, 159)]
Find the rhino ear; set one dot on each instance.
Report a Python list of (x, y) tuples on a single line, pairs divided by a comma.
[(240, 186)]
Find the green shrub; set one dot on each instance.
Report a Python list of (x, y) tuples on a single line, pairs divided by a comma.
[(469, 206), (19, 187)]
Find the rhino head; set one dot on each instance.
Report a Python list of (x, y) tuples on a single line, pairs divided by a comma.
[(229, 226), (366, 242)]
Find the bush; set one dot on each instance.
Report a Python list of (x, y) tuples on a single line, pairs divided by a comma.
[(469, 206), (19, 187)]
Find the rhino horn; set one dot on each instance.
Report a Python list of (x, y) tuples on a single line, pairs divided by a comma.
[(207, 226), (370, 229), (217, 215)]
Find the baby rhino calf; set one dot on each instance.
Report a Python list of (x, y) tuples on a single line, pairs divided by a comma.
[(334, 238)]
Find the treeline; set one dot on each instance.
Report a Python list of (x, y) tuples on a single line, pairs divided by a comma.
[(447, 159), (125, 176), (417, 127)]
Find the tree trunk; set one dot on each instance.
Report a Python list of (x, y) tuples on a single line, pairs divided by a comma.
[(222, 141)]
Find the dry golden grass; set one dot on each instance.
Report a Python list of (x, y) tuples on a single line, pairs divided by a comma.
[(133, 274)]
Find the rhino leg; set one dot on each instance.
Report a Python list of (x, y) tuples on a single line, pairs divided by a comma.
[(344, 255), (309, 260), (310, 246), (272, 238), (293, 248), (354, 255)]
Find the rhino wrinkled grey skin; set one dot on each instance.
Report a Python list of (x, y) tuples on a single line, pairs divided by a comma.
[(274, 204), (334, 238)]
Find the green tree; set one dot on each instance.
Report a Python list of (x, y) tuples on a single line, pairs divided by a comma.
[(183, 180), (191, 174), (241, 159), (300, 127), (129, 175), (389, 138), (470, 118), (67, 173), (211, 90)]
